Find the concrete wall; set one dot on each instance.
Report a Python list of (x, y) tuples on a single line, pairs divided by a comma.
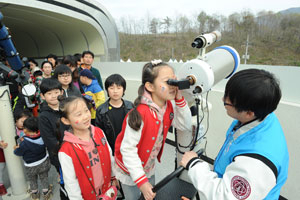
[(288, 111)]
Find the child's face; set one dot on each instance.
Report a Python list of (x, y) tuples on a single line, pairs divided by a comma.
[(31, 65), (19, 122), (115, 92), (79, 116), (47, 69), (160, 90), (52, 60), (65, 79), (83, 80), (51, 97)]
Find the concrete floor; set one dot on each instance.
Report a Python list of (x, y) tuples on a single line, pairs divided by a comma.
[(162, 169)]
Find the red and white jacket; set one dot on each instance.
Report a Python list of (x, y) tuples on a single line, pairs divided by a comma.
[(76, 182), (133, 148)]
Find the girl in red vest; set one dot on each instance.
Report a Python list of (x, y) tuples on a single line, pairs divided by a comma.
[(85, 156), (145, 129)]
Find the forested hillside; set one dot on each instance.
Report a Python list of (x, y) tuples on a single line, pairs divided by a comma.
[(274, 38)]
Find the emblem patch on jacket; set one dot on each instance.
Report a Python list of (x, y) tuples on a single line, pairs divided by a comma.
[(103, 141), (240, 187), (171, 116)]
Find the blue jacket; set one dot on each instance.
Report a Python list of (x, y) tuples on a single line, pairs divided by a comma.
[(267, 140), (31, 149)]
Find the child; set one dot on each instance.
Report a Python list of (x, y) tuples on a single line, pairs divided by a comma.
[(85, 156), (47, 68), (48, 118), (145, 129), (110, 115), (64, 75), (20, 117), (36, 159), (92, 90)]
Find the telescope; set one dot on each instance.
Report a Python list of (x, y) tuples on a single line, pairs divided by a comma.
[(205, 40)]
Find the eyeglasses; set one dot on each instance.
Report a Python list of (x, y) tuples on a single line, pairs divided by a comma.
[(64, 75), (228, 104)]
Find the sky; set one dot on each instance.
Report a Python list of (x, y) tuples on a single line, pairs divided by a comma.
[(162, 8)]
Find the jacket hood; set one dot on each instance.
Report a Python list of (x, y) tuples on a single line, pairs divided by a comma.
[(38, 140), (70, 137)]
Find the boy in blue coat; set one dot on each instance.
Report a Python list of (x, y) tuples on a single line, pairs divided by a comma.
[(36, 159)]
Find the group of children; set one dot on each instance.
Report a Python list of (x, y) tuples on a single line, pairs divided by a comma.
[(94, 146)]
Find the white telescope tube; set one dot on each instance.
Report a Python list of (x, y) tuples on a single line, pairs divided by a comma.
[(219, 64)]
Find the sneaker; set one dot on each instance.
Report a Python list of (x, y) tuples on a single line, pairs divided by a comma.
[(35, 196), (47, 195), (2, 190)]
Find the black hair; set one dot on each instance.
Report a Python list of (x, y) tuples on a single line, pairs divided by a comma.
[(87, 52), (149, 74), (31, 124), (46, 61), (253, 90), (72, 61), (22, 113), (33, 61), (77, 56), (37, 73), (52, 56), (115, 79), (49, 84), (61, 69)]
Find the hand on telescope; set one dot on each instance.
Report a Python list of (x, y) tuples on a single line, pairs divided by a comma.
[(178, 94), (146, 189), (187, 156)]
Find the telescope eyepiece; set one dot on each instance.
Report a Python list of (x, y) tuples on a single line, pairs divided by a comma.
[(198, 43)]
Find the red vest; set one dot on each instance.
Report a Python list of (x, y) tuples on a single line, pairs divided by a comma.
[(148, 136), (85, 187)]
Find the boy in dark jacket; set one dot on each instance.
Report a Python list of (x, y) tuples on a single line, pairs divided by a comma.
[(110, 115), (49, 118), (36, 159)]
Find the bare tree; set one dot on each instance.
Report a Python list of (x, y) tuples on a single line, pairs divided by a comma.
[(202, 19)]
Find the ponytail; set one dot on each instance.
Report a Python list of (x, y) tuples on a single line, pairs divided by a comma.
[(134, 118), (149, 74)]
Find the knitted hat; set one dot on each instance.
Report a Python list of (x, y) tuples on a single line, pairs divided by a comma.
[(87, 73)]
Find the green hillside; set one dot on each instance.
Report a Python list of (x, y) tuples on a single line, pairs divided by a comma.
[(274, 39)]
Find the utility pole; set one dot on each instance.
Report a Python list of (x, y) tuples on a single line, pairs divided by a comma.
[(246, 56), (172, 53)]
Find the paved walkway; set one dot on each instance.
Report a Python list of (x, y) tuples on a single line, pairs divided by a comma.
[(162, 170)]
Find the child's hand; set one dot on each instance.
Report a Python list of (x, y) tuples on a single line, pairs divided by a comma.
[(3, 144), (21, 139), (178, 94), (146, 189), (16, 146), (116, 183)]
